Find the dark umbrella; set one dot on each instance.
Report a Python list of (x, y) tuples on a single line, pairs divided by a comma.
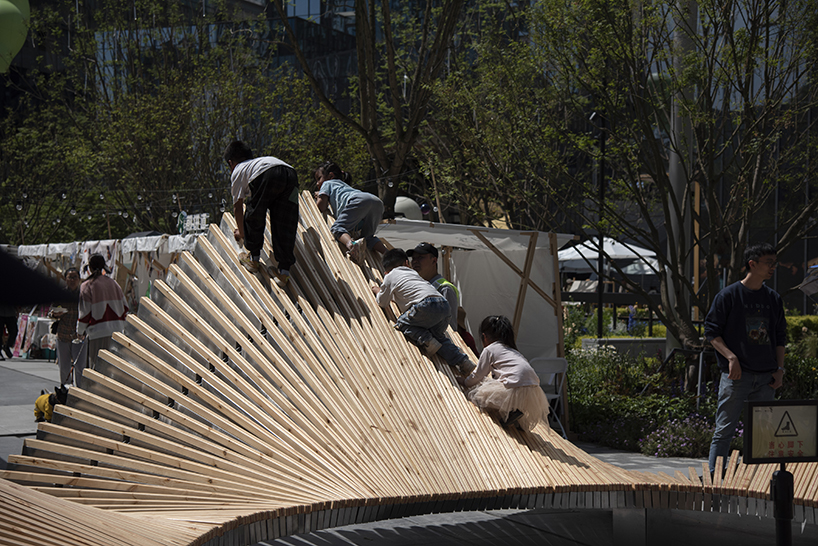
[(20, 285)]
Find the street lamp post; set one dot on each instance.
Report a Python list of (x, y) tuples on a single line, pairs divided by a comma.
[(599, 121)]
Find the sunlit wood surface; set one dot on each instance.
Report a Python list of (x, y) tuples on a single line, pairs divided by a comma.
[(231, 411)]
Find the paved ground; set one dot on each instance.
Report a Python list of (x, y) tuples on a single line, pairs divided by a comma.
[(22, 380)]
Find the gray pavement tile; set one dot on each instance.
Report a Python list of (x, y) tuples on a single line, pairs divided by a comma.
[(44, 369), (11, 445), (19, 387), (17, 420), (642, 463)]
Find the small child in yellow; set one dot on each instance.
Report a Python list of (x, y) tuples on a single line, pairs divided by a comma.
[(44, 405)]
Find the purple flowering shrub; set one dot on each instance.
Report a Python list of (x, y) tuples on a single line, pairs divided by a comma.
[(688, 437), (623, 403)]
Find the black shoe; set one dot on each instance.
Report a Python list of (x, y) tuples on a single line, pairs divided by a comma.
[(513, 417), (8, 352)]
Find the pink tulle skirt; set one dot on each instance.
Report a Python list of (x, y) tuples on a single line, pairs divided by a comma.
[(491, 394)]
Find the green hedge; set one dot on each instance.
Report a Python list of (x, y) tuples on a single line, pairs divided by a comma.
[(629, 403)]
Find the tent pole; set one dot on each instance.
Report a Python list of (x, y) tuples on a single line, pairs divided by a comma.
[(556, 290), (529, 260), (447, 263), (516, 269)]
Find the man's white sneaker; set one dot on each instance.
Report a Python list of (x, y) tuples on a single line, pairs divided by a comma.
[(281, 279)]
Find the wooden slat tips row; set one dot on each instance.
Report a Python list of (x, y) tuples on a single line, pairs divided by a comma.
[(231, 410)]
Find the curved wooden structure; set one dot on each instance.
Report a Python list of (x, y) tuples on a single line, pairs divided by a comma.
[(229, 415)]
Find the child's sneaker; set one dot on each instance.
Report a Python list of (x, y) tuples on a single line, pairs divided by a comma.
[(358, 252), (466, 366), (431, 347), (251, 265), (512, 419)]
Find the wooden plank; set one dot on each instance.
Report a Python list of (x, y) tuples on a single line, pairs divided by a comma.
[(231, 411)]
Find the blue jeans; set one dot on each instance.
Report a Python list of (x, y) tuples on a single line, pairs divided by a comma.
[(363, 212), (429, 319), (732, 396)]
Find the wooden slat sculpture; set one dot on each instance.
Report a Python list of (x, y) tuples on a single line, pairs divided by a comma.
[(227, 414)]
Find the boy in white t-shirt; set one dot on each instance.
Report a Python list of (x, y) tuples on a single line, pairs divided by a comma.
[(425, 313), (263, 184)]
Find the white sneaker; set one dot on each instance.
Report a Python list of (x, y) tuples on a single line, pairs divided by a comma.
[(358, 252), (281, 278), (431, 347), (466, 367), (251, 265)]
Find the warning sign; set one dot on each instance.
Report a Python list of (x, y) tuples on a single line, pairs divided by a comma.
[(786, 426), (781, 431)]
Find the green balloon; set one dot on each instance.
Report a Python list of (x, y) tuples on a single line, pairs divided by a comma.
[(14, 16)]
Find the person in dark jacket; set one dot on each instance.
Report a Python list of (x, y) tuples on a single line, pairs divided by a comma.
[(746, 327)]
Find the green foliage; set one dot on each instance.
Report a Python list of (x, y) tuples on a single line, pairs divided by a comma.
[(132, 128), (573, 326), (688, 437), (604, 370), (575, 340), (800, 379), (630, 404), (802, 335), (619, 401), (484, 143)]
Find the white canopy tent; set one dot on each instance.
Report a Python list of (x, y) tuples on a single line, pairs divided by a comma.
[(498, 272), (134, 262), (809, 285), (583, 258), (647, 266)]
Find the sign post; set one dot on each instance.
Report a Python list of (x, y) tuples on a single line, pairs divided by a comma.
[(782, 431)]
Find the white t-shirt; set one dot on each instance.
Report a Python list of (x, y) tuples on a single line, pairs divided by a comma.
[(406, 286), (505, 365), (247, 171)]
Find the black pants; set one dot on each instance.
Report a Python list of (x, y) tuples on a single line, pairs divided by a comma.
[(276, 190), (10, 324)]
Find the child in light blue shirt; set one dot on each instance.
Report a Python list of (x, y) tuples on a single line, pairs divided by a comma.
[(354, 211)]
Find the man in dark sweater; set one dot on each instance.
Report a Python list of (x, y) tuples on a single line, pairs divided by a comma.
[(747, 329)]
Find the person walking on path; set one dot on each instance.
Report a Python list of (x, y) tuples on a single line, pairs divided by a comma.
[(746, 327), (71, 353), (263, 184), (355, 211), (102, 311)]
